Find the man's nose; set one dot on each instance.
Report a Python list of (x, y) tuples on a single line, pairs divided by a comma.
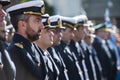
[(2, 13), (42, 26)]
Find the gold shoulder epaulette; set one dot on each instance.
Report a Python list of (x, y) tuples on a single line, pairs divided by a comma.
[(20, 45)]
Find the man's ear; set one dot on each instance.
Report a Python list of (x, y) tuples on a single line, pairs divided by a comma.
[(22, 24)]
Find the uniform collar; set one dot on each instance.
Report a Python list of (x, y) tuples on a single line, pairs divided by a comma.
[(17, 38), (100, 39), (63, 44)]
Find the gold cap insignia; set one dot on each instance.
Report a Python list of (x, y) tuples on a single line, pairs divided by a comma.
[(30, 12), (59, 23), (67, 25), (42, 10), (48, 22)]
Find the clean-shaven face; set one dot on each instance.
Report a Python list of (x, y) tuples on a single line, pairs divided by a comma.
[(57, 36), (46, 37), (67, 35)]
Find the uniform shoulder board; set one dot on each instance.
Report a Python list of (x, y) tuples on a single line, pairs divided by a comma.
[(20, 45)]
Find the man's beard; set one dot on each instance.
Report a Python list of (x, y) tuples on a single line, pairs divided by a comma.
[(33, 37), (31, 34)]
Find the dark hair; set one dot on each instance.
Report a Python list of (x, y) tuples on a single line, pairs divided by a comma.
[(17, 18), (4, 2)]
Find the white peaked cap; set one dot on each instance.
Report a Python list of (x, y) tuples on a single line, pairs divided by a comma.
[(103, 27), (68, 19), (46, 20), (81, 18), (45, 17), (89, 23), (55, 20), (30, 7), (9, 27)]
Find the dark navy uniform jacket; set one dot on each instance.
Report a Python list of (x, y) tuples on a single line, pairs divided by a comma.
[(60, 63), (80, 54), (52, 72), (114, 59), (89, 61), (26, 59), (105, 60), (97, 64), (7, 67), (73, 72)]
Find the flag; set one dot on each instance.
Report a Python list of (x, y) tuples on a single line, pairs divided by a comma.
[(107, 18)]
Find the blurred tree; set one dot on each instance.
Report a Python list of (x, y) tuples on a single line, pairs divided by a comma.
[(49, 9), (21, 1)]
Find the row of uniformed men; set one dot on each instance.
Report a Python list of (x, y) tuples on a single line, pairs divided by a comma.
[(60, 50)]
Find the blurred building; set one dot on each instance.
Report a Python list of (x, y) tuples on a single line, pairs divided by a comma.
[(67, 7), (95, 9)]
